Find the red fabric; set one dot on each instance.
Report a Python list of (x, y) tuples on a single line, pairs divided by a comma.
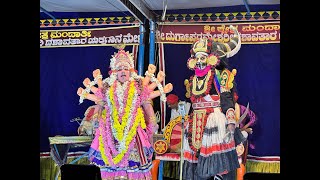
[(90, 114), (235, 96), (172, 98)]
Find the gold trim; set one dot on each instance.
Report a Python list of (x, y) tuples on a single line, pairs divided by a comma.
[(197, 141), (168, 131), (194, 84), (93, 29), (219, 23)]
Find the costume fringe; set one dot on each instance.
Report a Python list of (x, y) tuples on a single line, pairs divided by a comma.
[(262, 167)]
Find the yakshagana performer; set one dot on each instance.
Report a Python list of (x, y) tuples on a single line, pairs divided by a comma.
[(209, 143), (122, 146)]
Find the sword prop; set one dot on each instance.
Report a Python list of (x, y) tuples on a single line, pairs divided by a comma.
[(244, 115)]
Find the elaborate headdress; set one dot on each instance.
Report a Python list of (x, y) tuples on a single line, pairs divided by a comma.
[(214, 50), (121, 58)]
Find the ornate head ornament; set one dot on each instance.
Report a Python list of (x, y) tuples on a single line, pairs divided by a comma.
[(214, 50), (201, 46), (122, 58)]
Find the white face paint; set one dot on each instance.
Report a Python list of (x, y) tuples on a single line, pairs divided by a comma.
[(201, 61), (123, 73)]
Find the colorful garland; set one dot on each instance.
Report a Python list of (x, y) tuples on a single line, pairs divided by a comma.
[(123, 127)]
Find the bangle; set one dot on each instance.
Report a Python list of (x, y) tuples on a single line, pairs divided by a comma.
[(149, 74), (97, 78)]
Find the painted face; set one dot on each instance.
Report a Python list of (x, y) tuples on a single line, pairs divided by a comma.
[(123, 74), (201, 61)]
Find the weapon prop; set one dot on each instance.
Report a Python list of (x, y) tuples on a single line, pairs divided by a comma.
[(228, 135), (244, 114), (182, 112)]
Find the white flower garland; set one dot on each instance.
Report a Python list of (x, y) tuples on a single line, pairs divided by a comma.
[(135, 76), (130, 118), (97, 78), (120, 94), (110, 80), (126, 130), (88, 88), (159, 85)]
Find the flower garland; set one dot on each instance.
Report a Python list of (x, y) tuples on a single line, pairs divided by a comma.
[(105, 145), (88, 88), (131, 119), (159, 85), (102, 150), (119, 127), (111, 79), (129, 143), (106, 128)]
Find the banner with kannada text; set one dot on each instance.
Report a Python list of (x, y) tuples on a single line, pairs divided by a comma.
[(251, 32), (89, 37)]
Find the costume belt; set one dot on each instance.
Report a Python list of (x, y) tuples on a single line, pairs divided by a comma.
[(201, 105)]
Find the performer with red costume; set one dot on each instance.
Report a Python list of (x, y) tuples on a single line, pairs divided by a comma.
[(209, 146)]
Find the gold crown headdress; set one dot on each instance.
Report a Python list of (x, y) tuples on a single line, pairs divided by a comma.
[(200, 45), (215, 50)]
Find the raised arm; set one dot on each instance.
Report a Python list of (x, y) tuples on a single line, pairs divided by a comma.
[(151, 70)]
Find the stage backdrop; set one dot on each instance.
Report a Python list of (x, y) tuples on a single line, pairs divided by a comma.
[(63, 69)]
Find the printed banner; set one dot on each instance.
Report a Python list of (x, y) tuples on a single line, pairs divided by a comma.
[(251, 32), (89, 37)]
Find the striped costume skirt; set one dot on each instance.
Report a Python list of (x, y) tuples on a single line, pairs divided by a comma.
[(214, 155)]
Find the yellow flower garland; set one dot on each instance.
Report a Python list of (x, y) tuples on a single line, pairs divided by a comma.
[(131, 135), (120, 127), (142, 120), (115, 115)]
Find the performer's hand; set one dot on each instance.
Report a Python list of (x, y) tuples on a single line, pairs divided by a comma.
[(96, 73), (249, 130), (86, 82), (168, 88), (152, 68), (79, 92), (160, 76), (79, 130)]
